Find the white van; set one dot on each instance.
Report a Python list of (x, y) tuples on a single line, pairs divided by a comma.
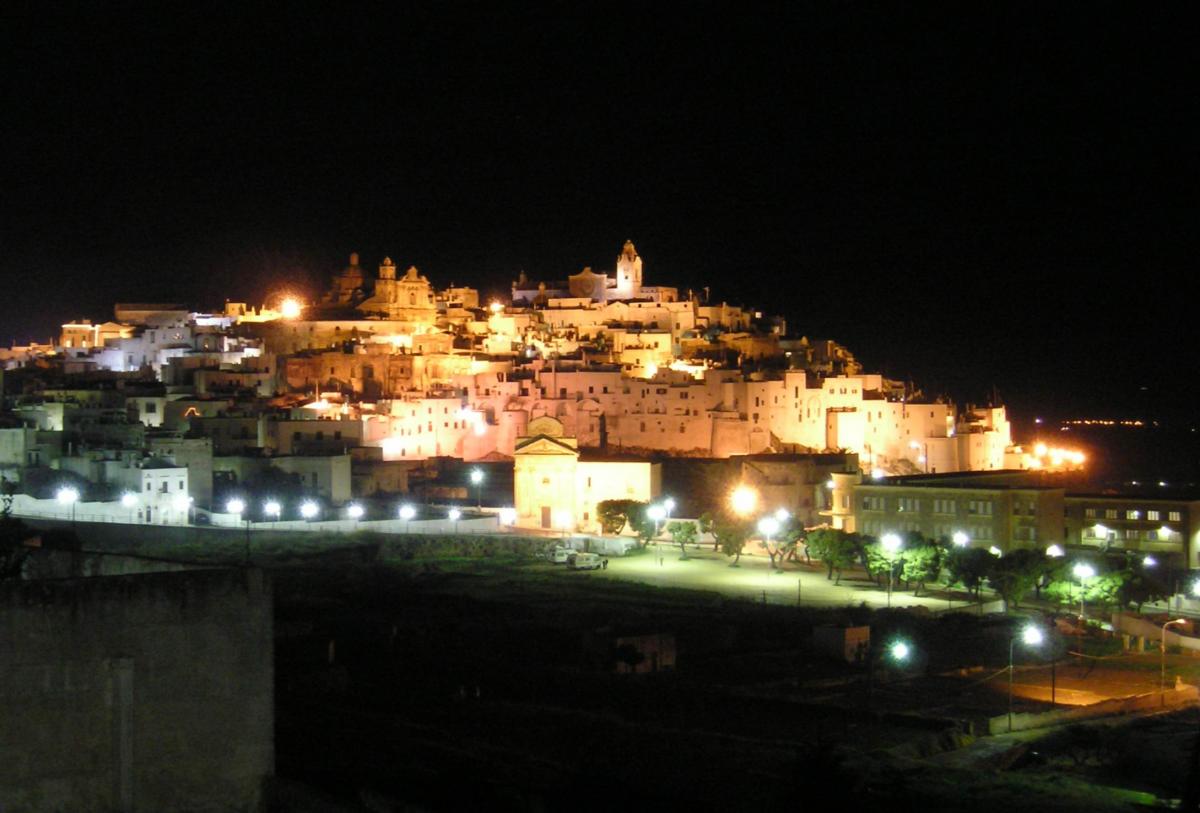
[(588, 561), (560, 556)]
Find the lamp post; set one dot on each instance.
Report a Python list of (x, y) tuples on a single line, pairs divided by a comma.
[(237, 506), (355, 511), (1030, 636), (656, 513), (454, 515), (309, 509), (897, 651), (768, 526), (1082, 571), (68, 495), (891, 543), (508, 517), (272, 509), (1162, 659), (407, 512), (477, 481), (743, 500), (129, 500)]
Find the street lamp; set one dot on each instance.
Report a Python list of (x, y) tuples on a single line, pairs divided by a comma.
[(891, 543), (129, 500), (960, 539), (898, 652), (182, 504), (477, 481), (1030, 636), (1082, 571), (309, 509), (508, 516), (272, 509), (454, 515), (1055, 552), (743, 500), (355, 511), (1162, 659), (237, 506), (407, 512), (68, 495), (768, 526)]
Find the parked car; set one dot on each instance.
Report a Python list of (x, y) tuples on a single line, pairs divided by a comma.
[(587, 561), (560, 556)]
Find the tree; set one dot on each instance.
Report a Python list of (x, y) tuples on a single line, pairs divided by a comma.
[(731, 534), (1141, 587), (682, 534), (836, 548), (969, 567), (878, 561), (778, 545), (613, 514), (1014, 575), (921, 563), (645, 528)]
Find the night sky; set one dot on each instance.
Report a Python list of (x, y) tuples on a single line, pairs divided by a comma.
[(1003, 200)]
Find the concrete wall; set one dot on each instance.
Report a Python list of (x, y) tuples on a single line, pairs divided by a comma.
[(1179, 696), (149, 692)]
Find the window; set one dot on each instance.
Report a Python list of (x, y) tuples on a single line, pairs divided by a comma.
[(1174, 516), (910, 504), (151, 407), (1133, 514), (1089, 513), (181, 485), (872, 503), (943, 507), (981, 508), (1152, 516), (1110, 513)]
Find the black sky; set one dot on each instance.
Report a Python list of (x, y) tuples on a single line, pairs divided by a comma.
[(1003, 199)]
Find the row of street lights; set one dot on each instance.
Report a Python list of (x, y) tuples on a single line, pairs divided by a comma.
[(310, 510)]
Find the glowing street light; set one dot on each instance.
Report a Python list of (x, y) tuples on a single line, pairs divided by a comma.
[(1082, 571), (129, 500), (1149, 561), (1162, 659), (238, 506), (898, 652), (68, 495), (355, 511), (477, 481), (309, 509), (960, 539), (291, 308), (182, 503), (891, 544), (743, 500), (454, 514), (1030, 636), (668, 505), (1055, 552), (508, 516), (407, 512), (272, 508)]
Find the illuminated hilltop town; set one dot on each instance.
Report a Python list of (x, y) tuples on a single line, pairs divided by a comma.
[(590, 377)]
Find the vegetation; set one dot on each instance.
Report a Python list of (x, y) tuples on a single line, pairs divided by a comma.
[(614, 514), (731, 534), (682, 534)]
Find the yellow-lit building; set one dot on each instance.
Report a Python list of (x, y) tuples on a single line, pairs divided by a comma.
[(556, 490)]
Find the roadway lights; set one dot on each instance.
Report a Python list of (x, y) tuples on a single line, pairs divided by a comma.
[(477, 477), (768, 527), (899, 651), (1149, 561), (1082, 571), (508, 516), (272, 509), (782, 516), (1055, 552), (355, 511), (309, 509), (129, 499), (235, 506), (67, 495), (960, 539), (743, 500), (1030, 636), (454, 514), (407, 512)]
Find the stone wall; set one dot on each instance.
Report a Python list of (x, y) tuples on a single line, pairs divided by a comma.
[(147, 692)]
